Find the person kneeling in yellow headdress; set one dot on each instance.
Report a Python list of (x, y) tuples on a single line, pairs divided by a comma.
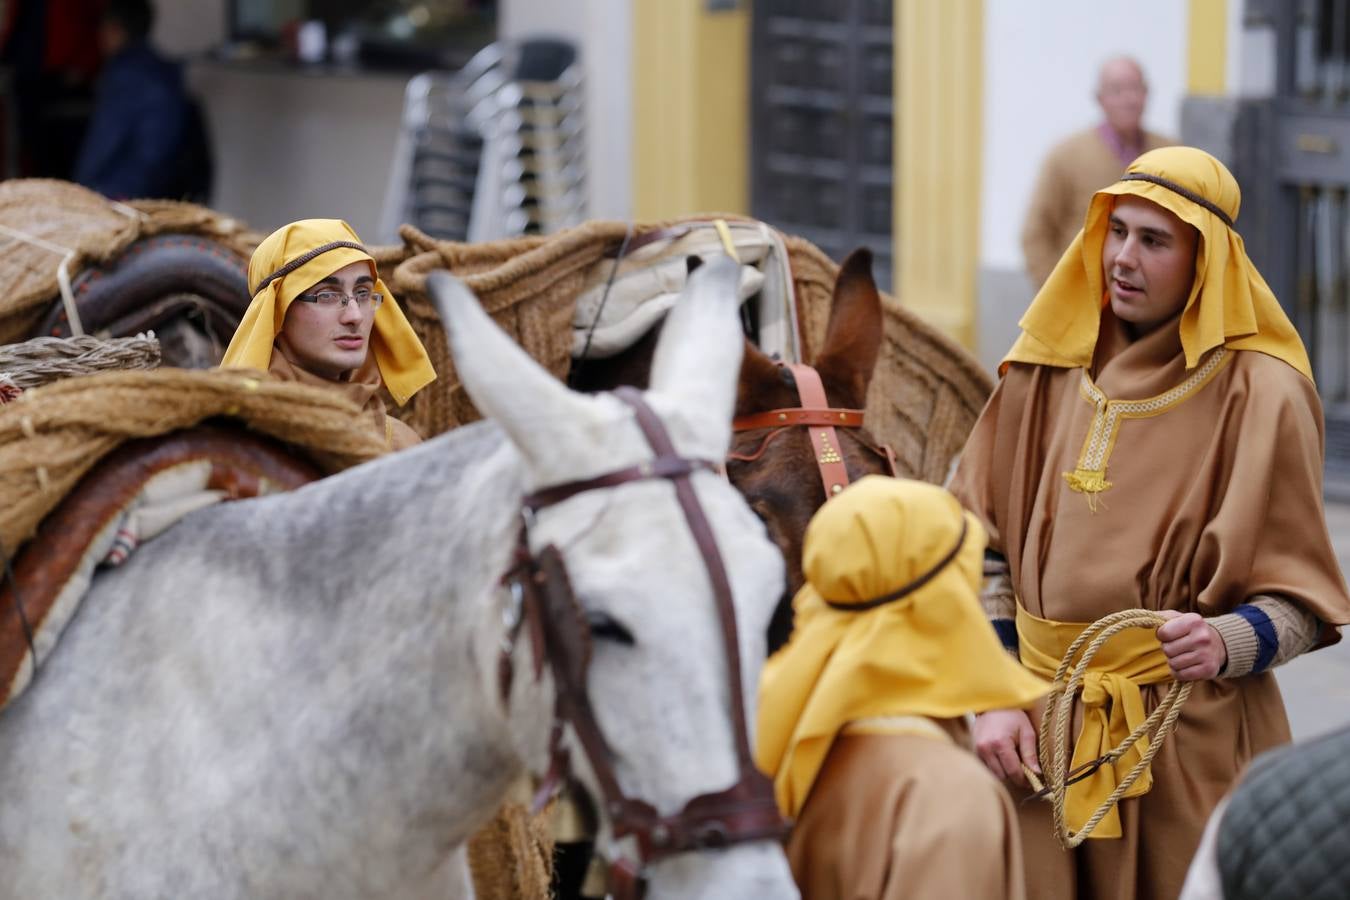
[(862, 714), (320, 315)]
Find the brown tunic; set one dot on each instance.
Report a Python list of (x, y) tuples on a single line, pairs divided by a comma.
[(362, 389), (1214, 496), (906, 817), (1073, 171)]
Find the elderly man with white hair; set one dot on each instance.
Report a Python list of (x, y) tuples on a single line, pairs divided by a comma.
[(1084, 163)]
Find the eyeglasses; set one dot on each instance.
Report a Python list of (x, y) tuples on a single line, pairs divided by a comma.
[(366, 300)]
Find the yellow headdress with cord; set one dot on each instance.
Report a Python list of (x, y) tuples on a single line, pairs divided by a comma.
[(298, 256), (1230, 303), (887, 624)]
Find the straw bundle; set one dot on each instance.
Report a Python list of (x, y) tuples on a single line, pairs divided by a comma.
[(50, 436)]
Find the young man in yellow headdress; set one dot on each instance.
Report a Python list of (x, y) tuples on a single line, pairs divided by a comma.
[(321, 315), (1155, 444), (862, 713)]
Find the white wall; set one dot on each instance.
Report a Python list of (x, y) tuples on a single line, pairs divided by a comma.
[(291, 145), (603, 29), (1041, 60), (189, 27)]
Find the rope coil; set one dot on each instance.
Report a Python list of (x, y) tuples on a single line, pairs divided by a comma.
[(1054, 730), (40, 360)]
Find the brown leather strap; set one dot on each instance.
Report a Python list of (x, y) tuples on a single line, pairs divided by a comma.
[(820, 420), (712, 557), (782, 418), (824, 439), (744, 812), (625, 880), (662, 467)]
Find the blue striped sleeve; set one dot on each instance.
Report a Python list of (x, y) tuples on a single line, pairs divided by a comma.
[(1268, 641)]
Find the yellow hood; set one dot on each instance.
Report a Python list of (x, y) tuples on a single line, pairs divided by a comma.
[(1230, 303), (930, 652), (305, 253)]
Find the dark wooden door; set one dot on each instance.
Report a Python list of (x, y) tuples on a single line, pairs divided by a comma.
[(822, 123)]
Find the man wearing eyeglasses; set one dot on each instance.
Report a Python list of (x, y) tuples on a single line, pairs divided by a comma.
[(320, 315)]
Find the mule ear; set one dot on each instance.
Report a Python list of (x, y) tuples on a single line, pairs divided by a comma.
[(698, 358), (853, 337), (503, 381)]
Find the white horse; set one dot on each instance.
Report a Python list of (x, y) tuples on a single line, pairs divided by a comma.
[(297, 696)]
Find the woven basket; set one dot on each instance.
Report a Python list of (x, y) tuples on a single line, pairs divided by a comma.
[(37, 361), (926, 391), (43, 219)]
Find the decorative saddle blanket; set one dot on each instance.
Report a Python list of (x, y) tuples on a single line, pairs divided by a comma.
[(135, 493)]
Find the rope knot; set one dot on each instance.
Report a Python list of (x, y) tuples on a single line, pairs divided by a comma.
[(1118, 740)]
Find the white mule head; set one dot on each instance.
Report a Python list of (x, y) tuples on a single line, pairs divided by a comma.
[(658, 678), (698, 361)]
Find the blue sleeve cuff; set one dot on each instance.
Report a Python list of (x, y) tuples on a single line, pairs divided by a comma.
[(1268, 641)]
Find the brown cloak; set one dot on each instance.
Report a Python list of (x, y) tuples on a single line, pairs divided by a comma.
[(1215, 496)]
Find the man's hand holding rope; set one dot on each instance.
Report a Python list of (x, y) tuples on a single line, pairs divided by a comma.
[(1005, 741), (1194, 649)]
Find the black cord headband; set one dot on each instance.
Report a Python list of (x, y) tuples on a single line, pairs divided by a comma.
[(304, 258), (912, 586), (1184, 192)]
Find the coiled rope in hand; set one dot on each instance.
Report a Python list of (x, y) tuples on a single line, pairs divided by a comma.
[(1054, 731)]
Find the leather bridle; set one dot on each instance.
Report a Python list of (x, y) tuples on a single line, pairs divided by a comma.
[(544, 603), (820, 421)]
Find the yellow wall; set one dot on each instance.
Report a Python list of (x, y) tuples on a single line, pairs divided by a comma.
[(1207, 47), (691, 116), (939, 72), (691, 132)]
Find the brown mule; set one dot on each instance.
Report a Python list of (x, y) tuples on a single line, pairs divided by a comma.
[(775, 468)]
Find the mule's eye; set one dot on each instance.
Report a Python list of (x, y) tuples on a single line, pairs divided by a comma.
[(605, 627)]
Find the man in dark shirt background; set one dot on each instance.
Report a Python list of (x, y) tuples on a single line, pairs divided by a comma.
[(141, 138)]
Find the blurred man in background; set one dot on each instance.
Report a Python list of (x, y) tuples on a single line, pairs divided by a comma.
[(1083, 163), (143, 139)]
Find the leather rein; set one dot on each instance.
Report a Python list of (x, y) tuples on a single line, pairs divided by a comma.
[(820, 421), (544, 604)]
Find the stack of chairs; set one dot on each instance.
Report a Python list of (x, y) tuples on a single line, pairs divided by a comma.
[(495, 150)]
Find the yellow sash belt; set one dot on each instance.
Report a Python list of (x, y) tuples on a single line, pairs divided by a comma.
[(1112, 708)]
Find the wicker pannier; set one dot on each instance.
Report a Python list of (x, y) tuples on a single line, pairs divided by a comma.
[(926, 392)]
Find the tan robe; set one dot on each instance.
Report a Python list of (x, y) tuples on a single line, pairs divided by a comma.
[(363, 390), (1074, 170), (1213, 499), (906, 817)]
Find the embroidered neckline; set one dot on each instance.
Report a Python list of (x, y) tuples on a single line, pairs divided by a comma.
[(1089, 477)]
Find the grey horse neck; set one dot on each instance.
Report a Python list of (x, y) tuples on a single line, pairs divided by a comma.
[(329, 649)]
